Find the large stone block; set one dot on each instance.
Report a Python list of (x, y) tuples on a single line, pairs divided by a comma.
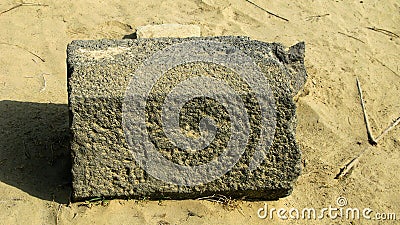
[(184, 118)]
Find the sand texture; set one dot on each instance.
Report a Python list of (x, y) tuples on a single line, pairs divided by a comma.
[(344, 40)]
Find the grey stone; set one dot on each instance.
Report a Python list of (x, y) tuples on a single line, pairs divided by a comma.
[(99, 72)]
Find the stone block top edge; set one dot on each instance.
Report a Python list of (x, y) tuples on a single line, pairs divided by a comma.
[(110, 53)]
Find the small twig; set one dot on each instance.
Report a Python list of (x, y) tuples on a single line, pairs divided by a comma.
[(344, 171), (385, 32), (58, 212), (316, 17), (384, 65), (190, 213), (227, 203), (393, 125), (206, 197), (212, 198), (269, 12), (52, 155), (371, 139), (349, 166), (22, 4), (27, 153), (352, 37), (44, 82), (20, 47)]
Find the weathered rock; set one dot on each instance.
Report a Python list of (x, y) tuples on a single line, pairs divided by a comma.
[(168, 30), (105, 162)]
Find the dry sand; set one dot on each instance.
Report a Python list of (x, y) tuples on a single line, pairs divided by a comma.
[(34, 162)]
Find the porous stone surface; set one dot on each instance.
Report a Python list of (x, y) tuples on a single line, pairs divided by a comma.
[(99, 72), (168, 30)]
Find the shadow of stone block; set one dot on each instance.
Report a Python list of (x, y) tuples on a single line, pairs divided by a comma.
[(34, 149)]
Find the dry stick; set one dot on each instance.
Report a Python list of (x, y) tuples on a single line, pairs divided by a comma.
[(22, 4), (349, 166), (384, 65), (57, 213), (212, 198), (316, 16), (228, 203), (44, 83), (352, 37), (269, 12), (393, 125), (371, 139), (383, 31), (20, 47)]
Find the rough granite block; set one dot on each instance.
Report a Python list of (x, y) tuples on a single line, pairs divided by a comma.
[(115, 99)]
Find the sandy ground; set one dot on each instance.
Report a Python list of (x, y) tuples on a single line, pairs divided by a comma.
[(34, 157)]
